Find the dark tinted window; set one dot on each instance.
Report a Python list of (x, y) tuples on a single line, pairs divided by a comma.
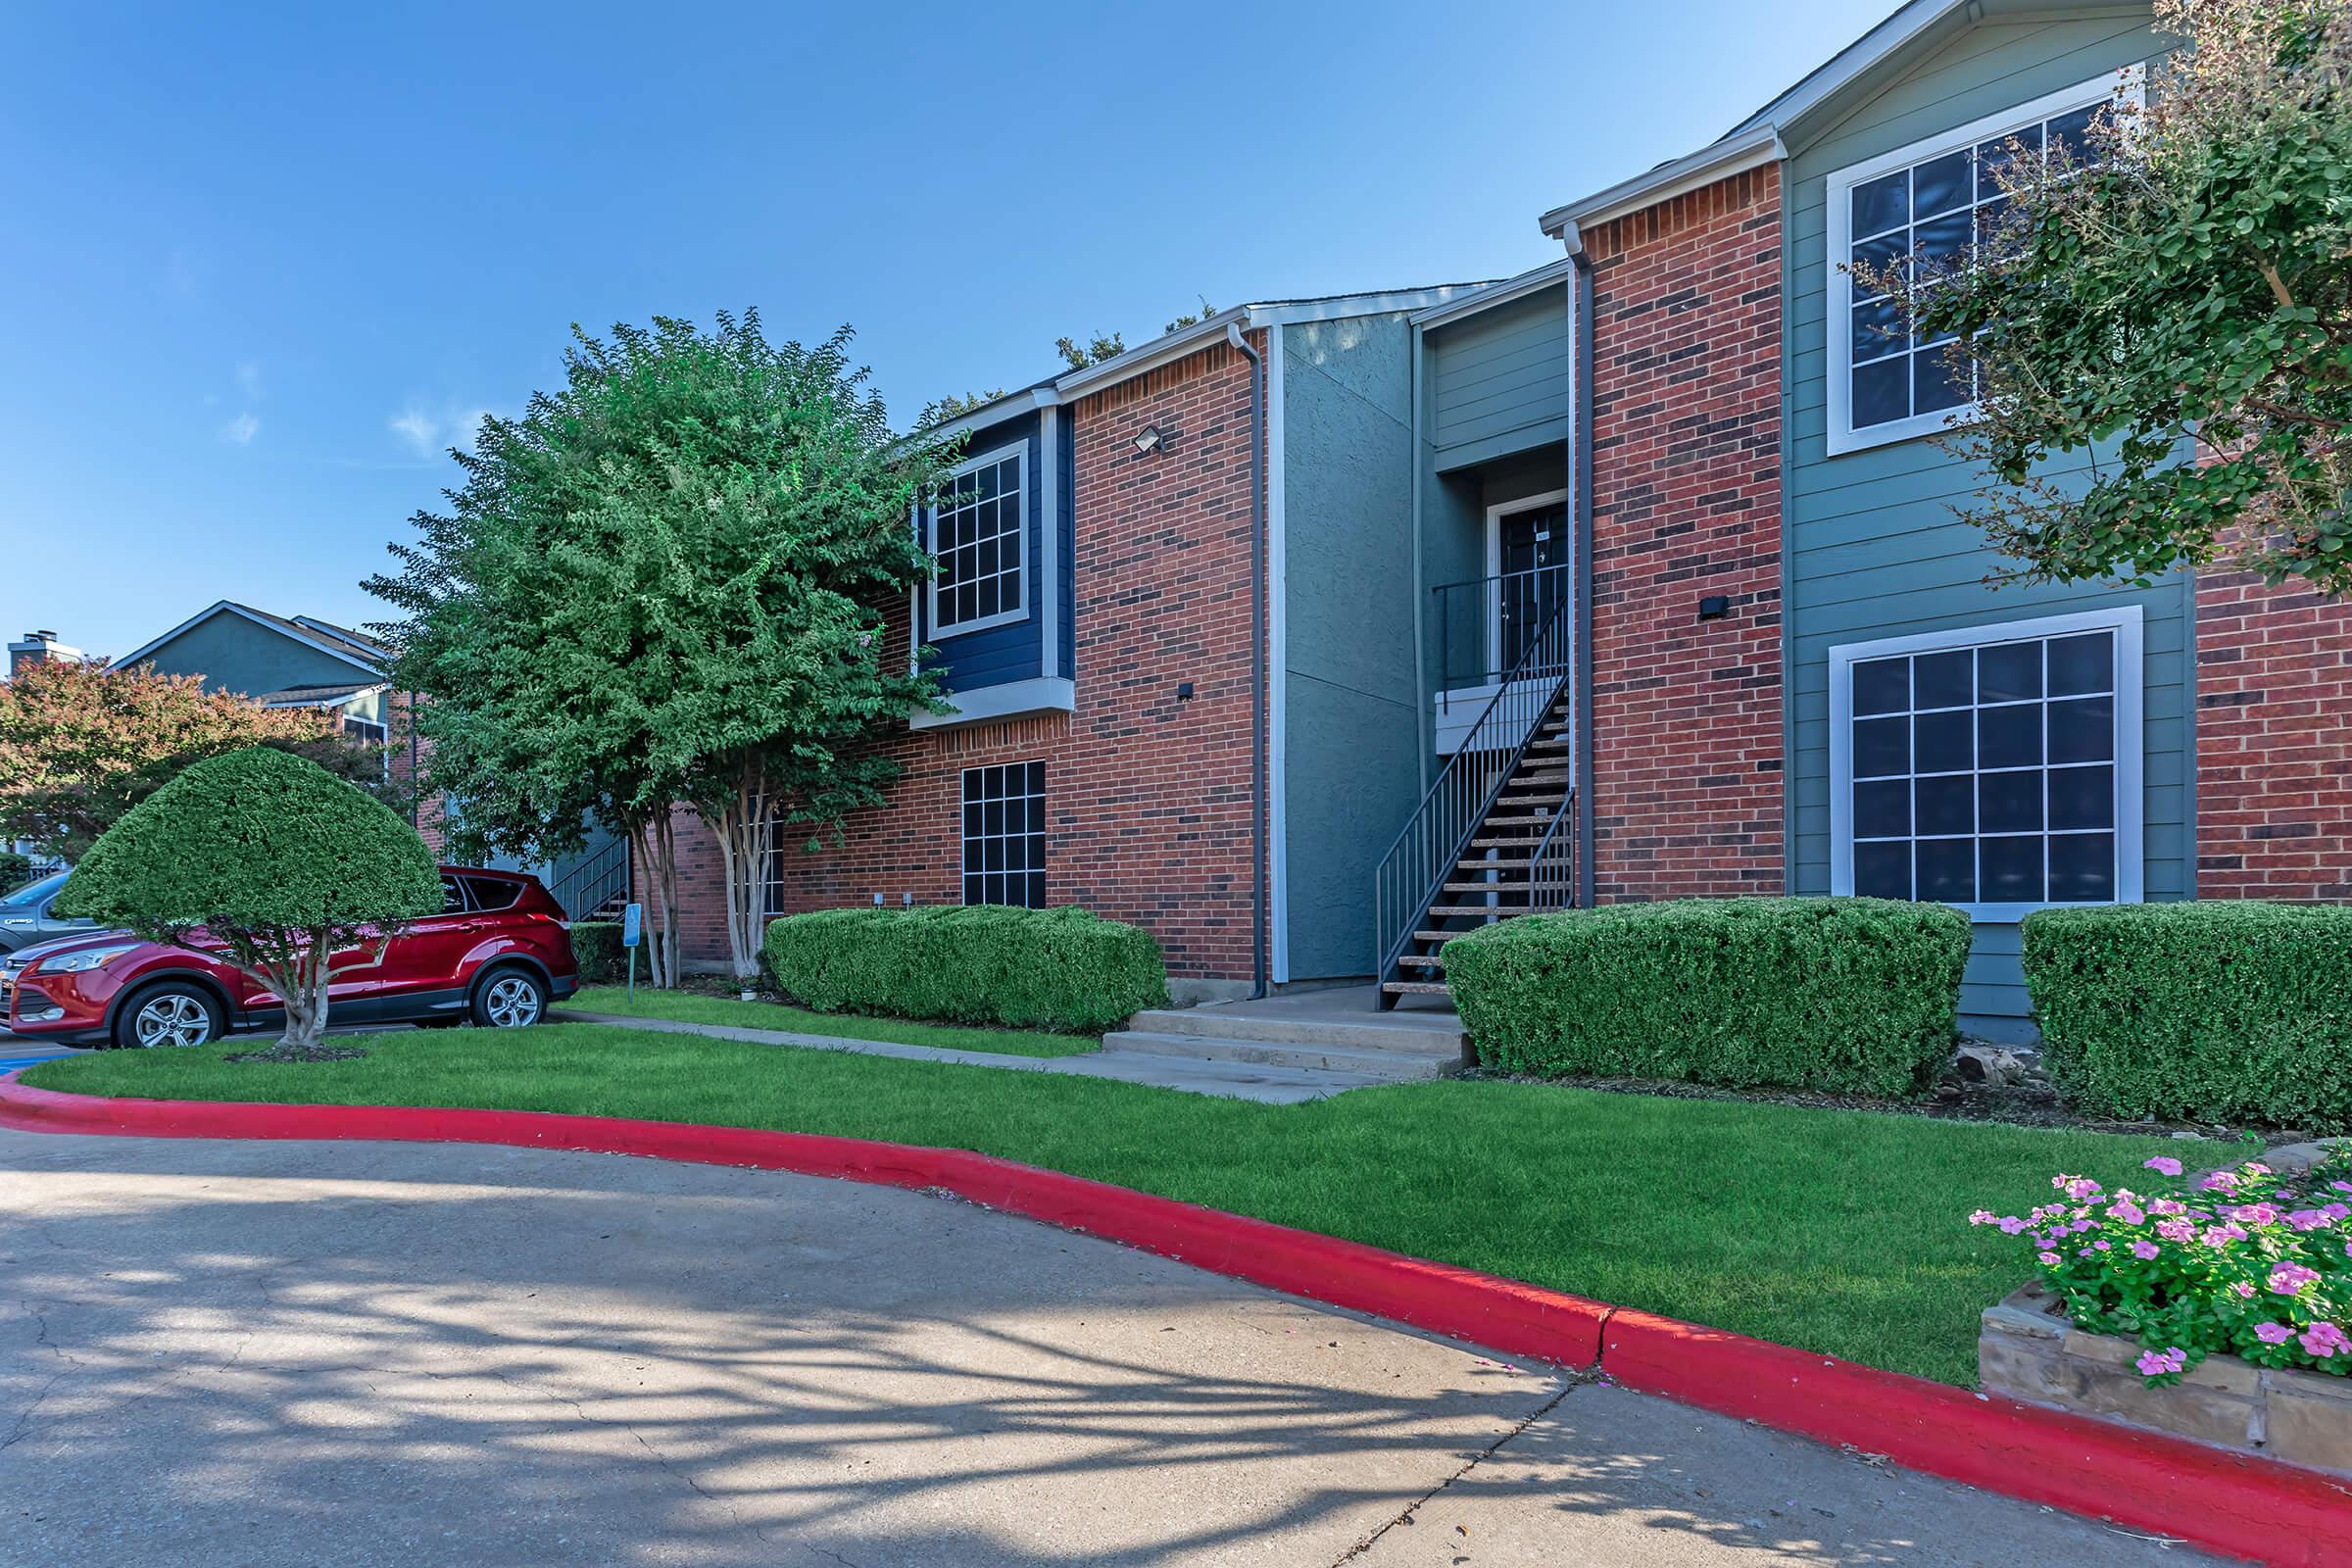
[(490, 893)]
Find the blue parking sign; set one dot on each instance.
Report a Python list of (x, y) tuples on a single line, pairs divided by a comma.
[(632, 919)]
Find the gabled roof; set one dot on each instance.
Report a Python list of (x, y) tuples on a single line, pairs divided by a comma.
[(1175, 344), (1757, 139), (365, 656), (334, 694)]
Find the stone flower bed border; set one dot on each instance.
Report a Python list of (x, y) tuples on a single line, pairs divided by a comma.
[(2026, 1349)]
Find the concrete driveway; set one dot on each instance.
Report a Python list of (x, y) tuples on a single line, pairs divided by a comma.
[(385, 1354)]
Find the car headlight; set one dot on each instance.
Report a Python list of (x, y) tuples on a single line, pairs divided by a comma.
[(86, 958)]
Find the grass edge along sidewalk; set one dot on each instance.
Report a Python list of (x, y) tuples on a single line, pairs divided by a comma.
[(1843, 1232), (682, 1007), (2144, 1482)]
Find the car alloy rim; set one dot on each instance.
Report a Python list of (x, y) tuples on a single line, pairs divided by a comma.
[(176, 1020), (512, 1002)]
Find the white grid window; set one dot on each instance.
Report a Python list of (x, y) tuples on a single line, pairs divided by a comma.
[(1932, 200), (1997, 770), (978, 538), (1004, 835)]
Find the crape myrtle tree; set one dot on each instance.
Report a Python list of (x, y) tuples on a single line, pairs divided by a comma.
[(80, 744), (2171, 308), (663, 587), (270, 860)]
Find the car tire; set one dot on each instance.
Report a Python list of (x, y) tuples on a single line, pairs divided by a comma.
[(508, 998), (169, 1012)]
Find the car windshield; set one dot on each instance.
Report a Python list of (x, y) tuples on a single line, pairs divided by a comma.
[(35, 891)]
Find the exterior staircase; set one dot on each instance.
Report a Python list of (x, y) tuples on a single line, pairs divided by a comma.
[(1320, 1031), (1494, 838), (1518, 862)]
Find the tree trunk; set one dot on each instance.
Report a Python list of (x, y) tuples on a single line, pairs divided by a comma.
[(656, 841), (745, 830)]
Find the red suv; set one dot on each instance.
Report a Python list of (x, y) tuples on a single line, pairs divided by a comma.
[(497, 953)]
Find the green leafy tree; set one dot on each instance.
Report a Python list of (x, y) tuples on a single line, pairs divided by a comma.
[(80, 744), (1102, 346), (664, 588), (270, 860), (2174, 309)]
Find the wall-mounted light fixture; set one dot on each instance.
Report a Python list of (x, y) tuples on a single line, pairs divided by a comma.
[(1714, 607), (1150, 441)]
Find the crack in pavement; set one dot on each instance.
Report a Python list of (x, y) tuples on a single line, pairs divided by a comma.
[(1569, 1382)]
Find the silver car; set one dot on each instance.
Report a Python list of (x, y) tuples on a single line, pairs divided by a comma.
[(25, 916)]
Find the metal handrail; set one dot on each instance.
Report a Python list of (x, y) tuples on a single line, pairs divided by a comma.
[(583, 889), (1497, 608), (1426, 853)]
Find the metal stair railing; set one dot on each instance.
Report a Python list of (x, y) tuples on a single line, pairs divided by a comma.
[(1437, 837), (583, 889)]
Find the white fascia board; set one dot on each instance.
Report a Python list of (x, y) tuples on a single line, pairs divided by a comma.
[(1013, 700), (1734, 154), (1173, 346), (1161, 350), (1551, 275), (997, 413)]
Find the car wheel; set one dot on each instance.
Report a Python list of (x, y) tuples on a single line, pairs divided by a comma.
[(173, 1014), (509, 998)]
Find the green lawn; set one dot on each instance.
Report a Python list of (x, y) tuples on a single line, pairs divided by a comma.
[(1837, 1231), (688, 1007)]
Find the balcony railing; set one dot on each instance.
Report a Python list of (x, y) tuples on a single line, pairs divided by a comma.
[(1484, 626)]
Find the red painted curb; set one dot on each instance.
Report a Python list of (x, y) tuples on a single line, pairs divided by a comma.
[(2258, 1510)]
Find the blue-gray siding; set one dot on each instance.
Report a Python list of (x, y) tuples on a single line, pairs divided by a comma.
[(236, 655), (1351, 730), (1499, 382), (1875, 551)]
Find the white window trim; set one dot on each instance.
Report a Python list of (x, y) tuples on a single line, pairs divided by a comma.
[(2131, 741), (2127, 85), (1018, 452)]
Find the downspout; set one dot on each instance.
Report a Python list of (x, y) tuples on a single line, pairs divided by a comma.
[(1258, 657), (1580, 475), (415, 795)]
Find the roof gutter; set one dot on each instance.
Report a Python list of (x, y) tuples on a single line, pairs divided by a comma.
[(1735, 154), (1258, 947)]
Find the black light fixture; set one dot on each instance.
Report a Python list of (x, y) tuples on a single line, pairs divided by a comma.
[(1149, 441), (1714, 607), (1184, 691)]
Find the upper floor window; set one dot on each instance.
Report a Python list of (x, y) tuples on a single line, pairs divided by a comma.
[(1995, 767), (979, 537), (1932, 200)]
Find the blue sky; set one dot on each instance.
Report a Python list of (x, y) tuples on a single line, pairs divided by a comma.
[(263, 263)]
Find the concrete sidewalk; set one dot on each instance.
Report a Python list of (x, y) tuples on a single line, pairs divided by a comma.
[(384, 1353)]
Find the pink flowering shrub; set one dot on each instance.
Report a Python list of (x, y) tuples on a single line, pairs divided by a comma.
[(2242, 1262)]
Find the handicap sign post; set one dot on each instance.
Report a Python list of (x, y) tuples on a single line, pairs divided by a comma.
[(632, 922)]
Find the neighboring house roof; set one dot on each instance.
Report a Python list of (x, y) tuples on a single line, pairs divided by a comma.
[(363, 656), (334, 695), (1757, 139), (1174, 345)]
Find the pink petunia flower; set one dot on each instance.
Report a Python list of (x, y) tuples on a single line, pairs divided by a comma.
[(2324, 1339), (2129, 1212), (2288, 1279), (2156, 1363), (2047, 1259), (2244, 1288), (2171, 1166), (2175, 1230), (1983, 1216), (2010, 1224), (2255, 1167), (2143, 1251), (2307, 1219), (2255, 1213), (2219, 1181), (2273, 1333)]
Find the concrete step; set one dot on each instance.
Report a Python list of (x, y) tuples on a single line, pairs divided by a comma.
[(1393, 1065), (1341, 1026)]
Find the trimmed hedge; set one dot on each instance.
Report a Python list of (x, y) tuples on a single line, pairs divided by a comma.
[(1848, 996), (2222, 1010), (1061, 969), (595, 948)]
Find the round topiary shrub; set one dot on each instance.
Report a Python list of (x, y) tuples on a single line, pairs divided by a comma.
[(269, 860)]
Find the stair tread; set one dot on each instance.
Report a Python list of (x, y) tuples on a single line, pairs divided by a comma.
[(1417, 988)]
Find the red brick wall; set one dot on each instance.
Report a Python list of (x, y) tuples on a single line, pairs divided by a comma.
[(408, 762), (1147, 796), (2273, 741), (1688, 760)]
